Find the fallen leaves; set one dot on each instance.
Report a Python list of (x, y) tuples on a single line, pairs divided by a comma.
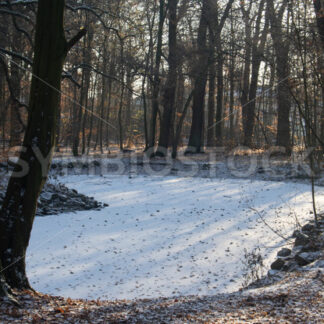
[(298, 298)]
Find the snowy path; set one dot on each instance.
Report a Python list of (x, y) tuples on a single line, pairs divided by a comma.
[(161, 236)]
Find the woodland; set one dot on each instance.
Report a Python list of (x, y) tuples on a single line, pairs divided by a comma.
[(162, 83)]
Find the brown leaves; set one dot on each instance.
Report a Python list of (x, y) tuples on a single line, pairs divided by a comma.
[(59, 310), (298, 298), (37, 319)]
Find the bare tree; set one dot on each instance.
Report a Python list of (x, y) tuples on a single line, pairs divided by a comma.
[(19, 206)]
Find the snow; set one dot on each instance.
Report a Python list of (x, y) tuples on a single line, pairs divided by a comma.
[(162, 236)]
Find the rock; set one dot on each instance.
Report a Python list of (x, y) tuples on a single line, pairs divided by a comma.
[(296, 233), (301, 239), (57, 199), (301, 261), (96, 163), (318, 264), (272, 273), (308, 228), (278, 264), (310, 248), (284, 252), (290, 266), (3, 165), (70, 165), (63, 198), (55, 196), (306, 258)]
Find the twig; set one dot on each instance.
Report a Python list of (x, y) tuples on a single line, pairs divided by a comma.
[(265, 223)]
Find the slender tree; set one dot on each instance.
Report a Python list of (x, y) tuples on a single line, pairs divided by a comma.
[(156, 77), (170, 87)]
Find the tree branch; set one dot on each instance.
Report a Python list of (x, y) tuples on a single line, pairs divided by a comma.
[(15, 13), (17, 55), (69, 76), (75, 39)]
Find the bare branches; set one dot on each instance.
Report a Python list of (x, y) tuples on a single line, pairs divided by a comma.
[(21, 30), (17, 55), (69, 76), (269, 226), (105, 75), (75, 39), (225, 14), (15, 13), (19, 2), (91, 10), (65, 74)]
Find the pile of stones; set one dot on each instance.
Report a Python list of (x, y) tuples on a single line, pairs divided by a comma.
[(57, 199), (308, 247)]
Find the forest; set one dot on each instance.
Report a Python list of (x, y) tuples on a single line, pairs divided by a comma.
[(161, 157)]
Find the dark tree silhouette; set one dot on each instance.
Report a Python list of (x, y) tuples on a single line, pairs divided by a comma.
[(20, 203)]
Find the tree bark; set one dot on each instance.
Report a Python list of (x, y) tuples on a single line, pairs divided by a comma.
[(319, 10), (220, 91), (196, 132), (207, 20), (211, 93), (156, 78), (170, 87), (281, 47), (121, 100), (246, 72), (19, 206)]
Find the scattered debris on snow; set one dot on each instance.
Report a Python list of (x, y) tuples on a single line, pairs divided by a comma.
[(162, 236), (297, 298)]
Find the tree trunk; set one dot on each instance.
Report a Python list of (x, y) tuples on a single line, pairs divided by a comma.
[(246, 74), (121, 100), (156, 80), (196, 132), (256, 52), (19, 206), (220, 91), (319, 10), (103, 97), (77, 115), (281, 47), (145, 104), (92, 116), (209, 18), (211, 93), (110, 88), (231, 100), (179, 127), (171, 84)]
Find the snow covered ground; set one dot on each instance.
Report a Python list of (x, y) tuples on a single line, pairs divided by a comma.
[(162, 236)]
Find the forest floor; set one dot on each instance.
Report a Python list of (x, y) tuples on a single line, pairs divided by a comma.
[(174, 234), (298, 298)]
